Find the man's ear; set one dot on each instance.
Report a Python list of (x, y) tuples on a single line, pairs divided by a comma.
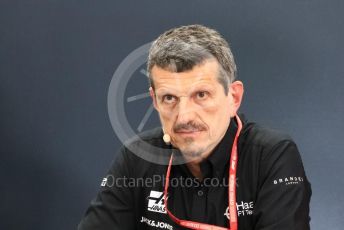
[(236, 89), (152, 94)]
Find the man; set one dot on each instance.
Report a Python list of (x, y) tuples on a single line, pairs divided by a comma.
[(226, 171)]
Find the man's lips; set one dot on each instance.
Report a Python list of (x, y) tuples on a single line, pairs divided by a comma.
[(188, 133)]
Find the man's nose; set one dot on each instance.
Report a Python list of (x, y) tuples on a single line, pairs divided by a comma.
[(187, 110)]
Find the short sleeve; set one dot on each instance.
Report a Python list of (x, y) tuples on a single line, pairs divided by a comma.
[(113, 206), (284, 191)]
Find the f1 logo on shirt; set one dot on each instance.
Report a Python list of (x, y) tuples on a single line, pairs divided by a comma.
[(243, 209), (156, 202)]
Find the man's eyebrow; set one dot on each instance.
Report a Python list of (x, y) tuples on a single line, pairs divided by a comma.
[(202, 86), (166, 91), (174, 91)]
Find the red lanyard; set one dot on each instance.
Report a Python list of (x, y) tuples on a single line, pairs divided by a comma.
[(231, 192)]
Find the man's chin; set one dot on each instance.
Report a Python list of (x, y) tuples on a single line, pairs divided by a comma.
[(191, 154)]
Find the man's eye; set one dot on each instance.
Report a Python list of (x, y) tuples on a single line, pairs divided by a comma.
[(202, 95), (169, 98)]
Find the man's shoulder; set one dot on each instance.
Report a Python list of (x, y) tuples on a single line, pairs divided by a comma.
[(146, 147), (266, 143), (152, 137), (256, 134), (153, 134)]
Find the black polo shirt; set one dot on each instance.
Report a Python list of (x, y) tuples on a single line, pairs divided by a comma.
[(272, 189)]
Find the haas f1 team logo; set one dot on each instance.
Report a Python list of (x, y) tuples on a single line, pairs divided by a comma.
[(156, 202), (243, 209)]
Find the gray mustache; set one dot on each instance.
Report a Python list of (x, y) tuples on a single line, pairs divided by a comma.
[(190, 126)]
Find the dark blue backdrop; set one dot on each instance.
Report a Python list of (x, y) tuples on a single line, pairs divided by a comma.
[(57, 59)]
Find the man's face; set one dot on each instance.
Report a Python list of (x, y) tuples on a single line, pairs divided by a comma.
[(193, 107)]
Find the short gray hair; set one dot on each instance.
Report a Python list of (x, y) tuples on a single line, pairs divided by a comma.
[(180, 49)]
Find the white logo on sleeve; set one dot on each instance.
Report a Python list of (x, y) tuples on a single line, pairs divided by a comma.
[(289, 180), (104, 181), (156, 202)]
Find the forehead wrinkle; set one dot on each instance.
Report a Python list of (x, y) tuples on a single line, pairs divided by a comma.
[(181, 79), (186, 80)]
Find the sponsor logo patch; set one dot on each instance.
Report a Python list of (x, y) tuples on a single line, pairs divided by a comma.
[(156, 202), (288, 180), (243, 209)]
